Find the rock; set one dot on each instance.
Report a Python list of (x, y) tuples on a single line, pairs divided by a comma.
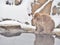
[(54, 11), (58, 10), (58, 26), (6, 19), (56, 32), (27, 23), (10, 31), (8, 3), (8, 34), (58, 4)]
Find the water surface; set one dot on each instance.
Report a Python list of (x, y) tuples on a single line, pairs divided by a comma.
[(30, 39)]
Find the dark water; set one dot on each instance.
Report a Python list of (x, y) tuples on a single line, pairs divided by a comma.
[(30, 39)]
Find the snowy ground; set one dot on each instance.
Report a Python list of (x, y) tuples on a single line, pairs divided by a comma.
[(16, 12)]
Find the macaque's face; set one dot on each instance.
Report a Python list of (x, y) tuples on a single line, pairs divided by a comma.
[(36, 19)]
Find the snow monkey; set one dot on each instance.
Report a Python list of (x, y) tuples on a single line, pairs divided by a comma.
[(44, 23)]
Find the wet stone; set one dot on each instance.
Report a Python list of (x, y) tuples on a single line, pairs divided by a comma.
[(58, 4)]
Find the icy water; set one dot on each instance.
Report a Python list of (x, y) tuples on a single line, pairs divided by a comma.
[(30, 39)]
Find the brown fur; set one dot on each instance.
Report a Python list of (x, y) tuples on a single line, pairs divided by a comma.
[(35, 6), (47, 8), (43, 23)]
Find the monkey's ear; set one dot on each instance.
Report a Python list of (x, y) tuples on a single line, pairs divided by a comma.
[(47, 9)]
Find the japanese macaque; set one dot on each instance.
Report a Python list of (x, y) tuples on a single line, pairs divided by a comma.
[(44, 24), (58, 4)]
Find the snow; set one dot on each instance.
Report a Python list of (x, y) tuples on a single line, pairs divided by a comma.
[(57, 30), (12, 23), (56, 17), (17, 12), (9, 23)]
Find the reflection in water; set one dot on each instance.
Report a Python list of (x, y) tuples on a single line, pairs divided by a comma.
[(58, 37), (44, 40)]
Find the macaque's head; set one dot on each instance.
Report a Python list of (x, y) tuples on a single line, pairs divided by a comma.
[(39, 18), (35, 19)]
